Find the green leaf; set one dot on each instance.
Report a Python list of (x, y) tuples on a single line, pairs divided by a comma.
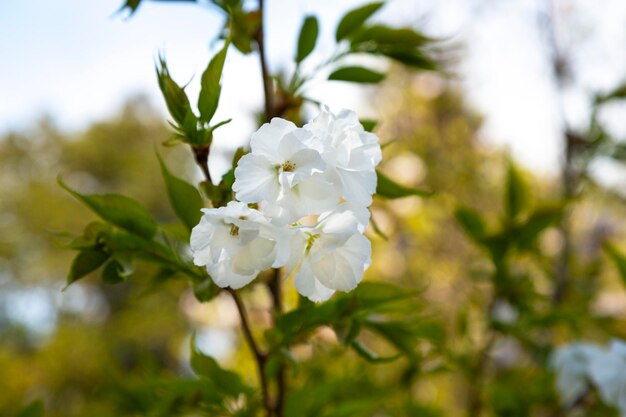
[(357, 75), (87, 260), (131, 5), (206, 290), (385, 38), (211, 87), (616, 94), (228, 382), (354, 19), (618, 259), (413, 59), (118, 210), (369, 124), (114, 272), (307, 38), (387, 188), (175, 96), (516, 193), (364, 352), (184, 198), (525, 234), (34, 409), (472, 222)]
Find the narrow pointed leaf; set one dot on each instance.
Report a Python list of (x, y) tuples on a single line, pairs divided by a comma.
[(174, 95), (184, 198), (211, 87), (357, 75), (118, 210), (87, 260), (354, 19), (307, 38), (516, 193)]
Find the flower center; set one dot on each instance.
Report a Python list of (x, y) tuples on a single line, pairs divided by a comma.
[(309, 243), (288, 166), (234, 230)]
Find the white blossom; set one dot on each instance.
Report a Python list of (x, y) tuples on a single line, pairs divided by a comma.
[(580, 365), (350, 152), (235, 243), (608, 373), (332, 256), (284, 173), (571, 364)]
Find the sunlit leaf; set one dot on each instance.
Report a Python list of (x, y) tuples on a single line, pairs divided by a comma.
[(175, 96), (357, 75), (118, 210), (184, 198), (307, 38), (354, 19), (210, 85), (516, 193)]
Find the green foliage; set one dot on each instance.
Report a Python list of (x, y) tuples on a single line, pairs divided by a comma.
[(87, 260), (119, 210), (357, 75), (516, 199), (618, 259), (34, 409), (184, 197), (307, 38), (211, 87), (369, 124), (354, 19), (403, 45), (387, 188)]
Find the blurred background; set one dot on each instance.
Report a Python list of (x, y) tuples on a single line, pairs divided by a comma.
[(79, 98)]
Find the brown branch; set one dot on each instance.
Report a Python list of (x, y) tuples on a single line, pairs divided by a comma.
[(201, 155), (275, 287), (268, 92), (259, 356)]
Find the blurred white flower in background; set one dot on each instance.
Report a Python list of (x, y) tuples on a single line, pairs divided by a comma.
[(581, 365)]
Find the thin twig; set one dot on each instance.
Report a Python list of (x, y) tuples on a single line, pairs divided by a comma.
[(268, 93), (201, 156), (259, 356), (275, 287)]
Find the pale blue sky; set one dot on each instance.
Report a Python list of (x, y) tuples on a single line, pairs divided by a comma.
[(76, 61)]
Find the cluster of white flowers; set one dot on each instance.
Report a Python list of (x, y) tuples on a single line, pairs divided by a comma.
[(323, 171), (580, 365)]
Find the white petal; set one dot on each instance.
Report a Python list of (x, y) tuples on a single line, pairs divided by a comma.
[(308, 286), (358, 186), (255, 179), (254, 257), (265, 141), (291, 143), (343, 269), (223, 276)]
